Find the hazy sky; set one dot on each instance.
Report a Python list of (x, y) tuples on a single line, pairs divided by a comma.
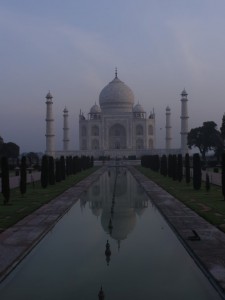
[(71, 47)]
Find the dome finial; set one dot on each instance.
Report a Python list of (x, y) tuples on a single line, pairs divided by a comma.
[(116, 72)]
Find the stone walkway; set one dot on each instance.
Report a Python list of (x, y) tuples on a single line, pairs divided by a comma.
[(14, 181), (208, 252)]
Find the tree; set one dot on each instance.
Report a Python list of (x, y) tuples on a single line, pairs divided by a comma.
[(5, 180), (44, 171), (174, 159), (179, 167), (205, 138), (62, 167), (23, 175), (163, 165), (187, 168), (58, 175), (10, 150), (170, 165), (197, 172), (33, 158), (222, 128), (207, 182), (51, 170), (223, 175)]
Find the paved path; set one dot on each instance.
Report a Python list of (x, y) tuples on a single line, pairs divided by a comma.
[(215, 178), (14, 181)]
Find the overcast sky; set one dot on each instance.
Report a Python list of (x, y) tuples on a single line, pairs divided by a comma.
[(71, 47)]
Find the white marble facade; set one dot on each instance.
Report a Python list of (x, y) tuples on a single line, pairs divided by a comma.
[(116, 126)]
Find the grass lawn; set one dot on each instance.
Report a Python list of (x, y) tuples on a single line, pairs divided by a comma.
[(210, 205), (21, 206)]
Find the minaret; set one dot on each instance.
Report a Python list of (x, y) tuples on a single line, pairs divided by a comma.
[(65, 130), (50, 136), (168, 129), (184, 122)]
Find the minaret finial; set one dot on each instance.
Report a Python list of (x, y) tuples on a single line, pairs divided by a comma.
[(116, 72)]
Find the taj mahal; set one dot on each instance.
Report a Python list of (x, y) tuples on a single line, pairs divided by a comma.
[(116, 127)]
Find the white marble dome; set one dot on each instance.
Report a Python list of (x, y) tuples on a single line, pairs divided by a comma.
[(138, 108), (116, 97), (95, 109)]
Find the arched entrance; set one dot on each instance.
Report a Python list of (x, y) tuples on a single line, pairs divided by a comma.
[(117, 137)]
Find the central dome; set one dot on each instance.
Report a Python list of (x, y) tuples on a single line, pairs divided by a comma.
[(116, 97)]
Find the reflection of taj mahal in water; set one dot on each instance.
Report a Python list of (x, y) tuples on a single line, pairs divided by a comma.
[(130, 202), (115, 127)]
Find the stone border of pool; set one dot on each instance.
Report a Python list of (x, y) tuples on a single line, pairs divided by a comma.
[(17, 241), (209, 251)]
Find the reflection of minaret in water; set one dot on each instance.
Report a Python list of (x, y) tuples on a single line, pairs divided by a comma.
[(101, 295), (107, 252), (110, 226)]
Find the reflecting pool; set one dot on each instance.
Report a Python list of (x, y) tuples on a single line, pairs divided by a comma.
[(115, 238)]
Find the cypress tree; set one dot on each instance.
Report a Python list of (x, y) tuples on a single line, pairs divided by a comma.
[(44, 171), (79, 165), (222, 128), (157, 161), (207, 182), (223, 175), (51, 170), (187, 168), (74, 164), (179, 167), (197, 172), (58, 176), (23, 175), (170, 165), (174, 170), (62, 167), (163, 165), (5, 180), (92, 161), (67, 166)]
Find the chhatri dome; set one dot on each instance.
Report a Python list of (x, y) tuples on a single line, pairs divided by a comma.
[(95, 109), (138, 108), (116, 96)]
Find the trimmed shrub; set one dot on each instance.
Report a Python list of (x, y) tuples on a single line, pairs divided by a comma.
[(5, 180), (44, 171), (23, 175), (179, 167), (207, 182), (58, 176), (223, 175), (51, 170), (187, 168), (170, 165), (174, 169), (62, 167), (163, 165), (197, 173)]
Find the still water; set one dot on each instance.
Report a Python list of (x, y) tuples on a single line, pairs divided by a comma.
[(144, 258)]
